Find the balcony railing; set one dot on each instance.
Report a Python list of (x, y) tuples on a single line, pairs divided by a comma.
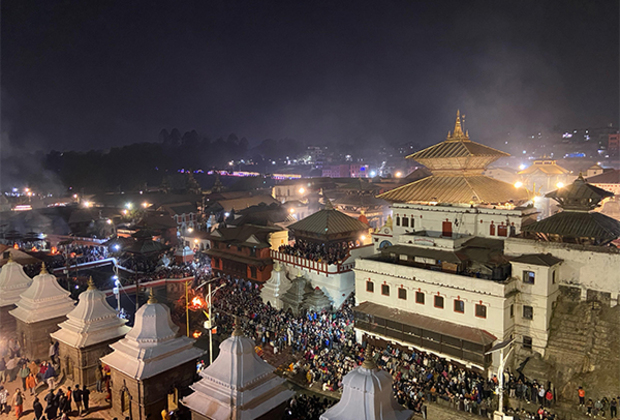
[(347, 265)]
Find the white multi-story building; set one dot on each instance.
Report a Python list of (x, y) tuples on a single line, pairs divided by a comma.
[(450, 276)]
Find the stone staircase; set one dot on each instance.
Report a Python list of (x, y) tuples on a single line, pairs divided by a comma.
[(584, 346)]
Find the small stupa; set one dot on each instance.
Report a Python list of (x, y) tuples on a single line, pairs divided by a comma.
[(294, 296), (39, 310), (13, 282), (150, 364), (367, 395), (239, 385), (274, 287), (86, 335), (316, 301)]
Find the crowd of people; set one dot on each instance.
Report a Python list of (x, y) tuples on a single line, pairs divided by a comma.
[(332, 253), (326, 350)]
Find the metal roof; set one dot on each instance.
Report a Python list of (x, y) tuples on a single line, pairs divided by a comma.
[(462, 332), (546, 260), (609, 177), (456, 189), (328, 222), (579, 195), (577, 224)]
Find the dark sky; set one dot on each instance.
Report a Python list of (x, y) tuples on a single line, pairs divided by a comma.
[(95, 74)]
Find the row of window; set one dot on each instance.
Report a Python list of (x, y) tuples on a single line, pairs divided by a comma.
[(420, 298), (528, 312), (404, 221)]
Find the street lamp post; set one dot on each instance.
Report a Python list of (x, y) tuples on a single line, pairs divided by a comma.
[(499, 414), (209, 323)]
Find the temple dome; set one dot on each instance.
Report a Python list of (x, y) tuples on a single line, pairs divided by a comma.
[(13, 282), (367, 395), (91, 322), (238, 385), (44, 299), (152, 346)]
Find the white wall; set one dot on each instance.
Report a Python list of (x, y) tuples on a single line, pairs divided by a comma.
[(584, 266)]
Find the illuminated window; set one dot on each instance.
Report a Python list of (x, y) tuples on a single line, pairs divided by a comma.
[(385, 290), (481, 311), (439, 302), (370, 286), (402, 293), (528, 277), (459, 306), (419, 297)]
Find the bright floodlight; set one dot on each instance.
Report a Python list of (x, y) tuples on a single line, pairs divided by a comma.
[(302, 190), (559, 184), (363, 237), (129, 206), (117, 247), (291, 210), (145, 204), (109, 221), (536, 199), (518, 184), (190, 230), (373, 174), (87, 204), (226, 214), (522, 166), (398, 174)]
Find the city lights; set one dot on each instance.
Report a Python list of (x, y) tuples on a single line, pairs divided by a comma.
[(399, 174), (129, 206), (87, 204), (559, 184), (145, 204), (518, 184), (109, 221), (302, 190)]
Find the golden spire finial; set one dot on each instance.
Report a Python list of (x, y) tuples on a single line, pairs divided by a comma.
[(10, 257), (458, 129), (369, 362), (152, 298), (91, 284), (237, 331), (43, 269)]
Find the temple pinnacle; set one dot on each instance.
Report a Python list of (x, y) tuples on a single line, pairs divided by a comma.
[(369, 362), (43, 269), (152, 298), (237, 331), (91, 284)]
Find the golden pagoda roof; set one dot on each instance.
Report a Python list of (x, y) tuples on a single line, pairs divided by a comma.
[(465, 189), (546, 166), (457, 152)]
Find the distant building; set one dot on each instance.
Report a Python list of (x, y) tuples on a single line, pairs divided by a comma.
[(243, 252), (613, 142)]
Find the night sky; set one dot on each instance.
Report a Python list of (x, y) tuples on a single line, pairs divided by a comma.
[(96, 74)]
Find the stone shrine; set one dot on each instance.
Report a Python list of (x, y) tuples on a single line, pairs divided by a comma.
[(86, 335), (239, 385), (39, 311), (150, 365), (367, 395), (13, 282)]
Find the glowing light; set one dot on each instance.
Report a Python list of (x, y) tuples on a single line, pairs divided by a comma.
[(87, 204), (145, 204), (117, 247), (291, 210), (522, 166), (226, 214), (399, 174), (15, 246), (518, 184), (196, 334), (196, 241), (373, 174), (559, 184), (363, 237), (129, 206), (190, 230), (75, 196), (109, 221), (54, 250), (196, 303), (536, 199), (26, 189), (302, 190), (125, 212)]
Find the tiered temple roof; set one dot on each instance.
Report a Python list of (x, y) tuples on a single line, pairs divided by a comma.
[(152, 346), (457, 165), (327, 223), (577, 218), (367, 395), (238, 385), (92, 321), (44, 299), (13, 282)]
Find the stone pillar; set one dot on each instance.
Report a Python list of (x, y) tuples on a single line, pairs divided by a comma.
[(35, 337)]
